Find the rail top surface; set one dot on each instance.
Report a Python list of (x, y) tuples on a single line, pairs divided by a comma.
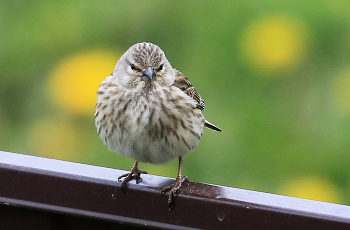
[(88, 191)]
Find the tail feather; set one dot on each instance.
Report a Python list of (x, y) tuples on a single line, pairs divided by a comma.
[(211, 126)]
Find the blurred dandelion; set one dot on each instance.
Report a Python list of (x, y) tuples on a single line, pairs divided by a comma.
[(275, 42), (341, 90), (54, 138), (74, 81), (313, 188)]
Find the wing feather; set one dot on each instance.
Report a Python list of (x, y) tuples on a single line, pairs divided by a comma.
[(182, 82)]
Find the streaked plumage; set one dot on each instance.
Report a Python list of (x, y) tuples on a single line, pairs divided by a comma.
[(148, 111)]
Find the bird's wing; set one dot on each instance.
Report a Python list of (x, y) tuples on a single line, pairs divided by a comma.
[(182, 82)]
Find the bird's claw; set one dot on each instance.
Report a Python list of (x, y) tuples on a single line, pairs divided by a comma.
[(173, 188), (134, 173)]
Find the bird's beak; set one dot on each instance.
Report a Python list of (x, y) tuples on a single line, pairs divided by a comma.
[(148, 74)]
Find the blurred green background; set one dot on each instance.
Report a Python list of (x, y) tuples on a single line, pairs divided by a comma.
[(275, 76)]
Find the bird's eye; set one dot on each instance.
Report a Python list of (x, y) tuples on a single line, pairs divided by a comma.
[(132, 66), (160, 67)]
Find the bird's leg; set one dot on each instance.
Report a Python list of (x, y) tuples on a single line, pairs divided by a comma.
[(135, 172), (173, 188)]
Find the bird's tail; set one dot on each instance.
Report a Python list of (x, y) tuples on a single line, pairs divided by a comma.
[(211, 126)]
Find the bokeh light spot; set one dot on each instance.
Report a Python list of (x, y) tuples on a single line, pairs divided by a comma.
[(56, 139), (341, 90), (313, 188), (274, 43), (74, 81)]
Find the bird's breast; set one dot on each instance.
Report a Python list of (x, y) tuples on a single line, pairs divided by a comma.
[(153, 127)]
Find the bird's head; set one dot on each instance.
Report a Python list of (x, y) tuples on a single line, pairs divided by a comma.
[(144, 63)]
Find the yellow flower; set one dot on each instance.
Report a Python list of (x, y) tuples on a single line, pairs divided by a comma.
[(74, 81), (313, 188), (341, 90), (274, 43), (56, 139)]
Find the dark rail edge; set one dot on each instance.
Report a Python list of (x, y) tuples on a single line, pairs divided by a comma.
[(75, 193)]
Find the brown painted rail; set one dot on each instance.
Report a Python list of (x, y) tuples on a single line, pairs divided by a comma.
[(41, 193)]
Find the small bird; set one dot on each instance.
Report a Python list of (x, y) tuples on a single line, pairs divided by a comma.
[(149, 111)]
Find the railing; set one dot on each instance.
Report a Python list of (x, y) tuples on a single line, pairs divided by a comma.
[(40, 193)]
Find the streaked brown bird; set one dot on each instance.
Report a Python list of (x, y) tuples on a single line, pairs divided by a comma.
[(149, 111)]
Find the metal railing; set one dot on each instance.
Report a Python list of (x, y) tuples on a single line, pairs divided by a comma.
[(41, 193)]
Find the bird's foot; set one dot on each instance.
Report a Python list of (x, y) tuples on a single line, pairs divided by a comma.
[(134, 173), (173, 188)]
